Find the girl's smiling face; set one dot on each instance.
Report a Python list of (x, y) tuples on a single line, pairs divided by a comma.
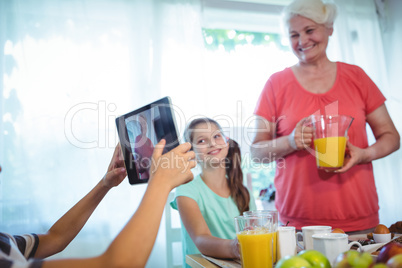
[(309, 40), (209, 144)]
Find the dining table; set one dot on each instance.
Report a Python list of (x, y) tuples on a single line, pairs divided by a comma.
[(202, 261)]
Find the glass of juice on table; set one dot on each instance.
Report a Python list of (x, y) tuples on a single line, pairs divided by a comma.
[(274, 215), (256, 237), (330, 137)]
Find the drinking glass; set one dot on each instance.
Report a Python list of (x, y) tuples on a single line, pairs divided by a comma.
[(286, 241), (255, 235)]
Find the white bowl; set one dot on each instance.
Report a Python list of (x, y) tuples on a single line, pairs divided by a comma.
[(382, 238)]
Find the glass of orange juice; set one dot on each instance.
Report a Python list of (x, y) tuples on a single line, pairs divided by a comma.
[(255, 235), (274, 215), (330, 137)]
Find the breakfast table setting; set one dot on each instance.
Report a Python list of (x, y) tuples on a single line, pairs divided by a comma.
[(332, 245)]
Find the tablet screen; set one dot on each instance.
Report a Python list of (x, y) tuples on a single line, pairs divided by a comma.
[(139, 131)]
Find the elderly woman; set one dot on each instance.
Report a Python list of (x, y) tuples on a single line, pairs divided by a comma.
[(346, 199)]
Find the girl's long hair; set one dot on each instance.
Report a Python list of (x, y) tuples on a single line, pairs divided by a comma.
[(234, 173)]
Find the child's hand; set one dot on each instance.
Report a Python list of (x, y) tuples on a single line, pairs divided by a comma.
[(235, 247), (116, 171), (173, 167)]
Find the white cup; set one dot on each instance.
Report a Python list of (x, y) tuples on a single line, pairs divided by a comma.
[(333, 244), (382, 238), (307, 232), (286, 241)]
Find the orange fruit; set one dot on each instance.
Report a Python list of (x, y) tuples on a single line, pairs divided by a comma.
[(337, 230)]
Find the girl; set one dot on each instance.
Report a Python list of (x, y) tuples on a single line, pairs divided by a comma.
[(208, 204)]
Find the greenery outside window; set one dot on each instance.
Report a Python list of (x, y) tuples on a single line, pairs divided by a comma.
[(253, 56)]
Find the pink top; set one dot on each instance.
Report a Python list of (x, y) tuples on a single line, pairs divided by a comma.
[(144, 149), (304, 194)]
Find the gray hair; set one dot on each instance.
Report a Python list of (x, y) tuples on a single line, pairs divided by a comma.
[(315, 10)]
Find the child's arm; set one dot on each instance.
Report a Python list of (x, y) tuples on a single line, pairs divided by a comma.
[(199, 232), (133, 245), (70, 224)]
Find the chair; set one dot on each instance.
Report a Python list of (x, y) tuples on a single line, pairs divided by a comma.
[(173, 235)]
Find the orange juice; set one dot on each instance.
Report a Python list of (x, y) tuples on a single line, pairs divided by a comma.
[(275, 246), (256, 249), (330, 152)]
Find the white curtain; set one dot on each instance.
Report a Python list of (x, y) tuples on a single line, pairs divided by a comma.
[(366, 35), (68, 69), (388, 171)]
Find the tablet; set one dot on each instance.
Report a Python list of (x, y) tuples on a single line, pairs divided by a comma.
[(139, 131)]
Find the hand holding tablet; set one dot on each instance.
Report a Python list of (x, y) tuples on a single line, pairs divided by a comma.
[(140, 130)]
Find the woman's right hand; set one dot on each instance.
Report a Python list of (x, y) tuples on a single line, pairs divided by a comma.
[(302, 136)]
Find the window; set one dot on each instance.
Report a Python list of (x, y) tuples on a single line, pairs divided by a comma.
[(240, 62)]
